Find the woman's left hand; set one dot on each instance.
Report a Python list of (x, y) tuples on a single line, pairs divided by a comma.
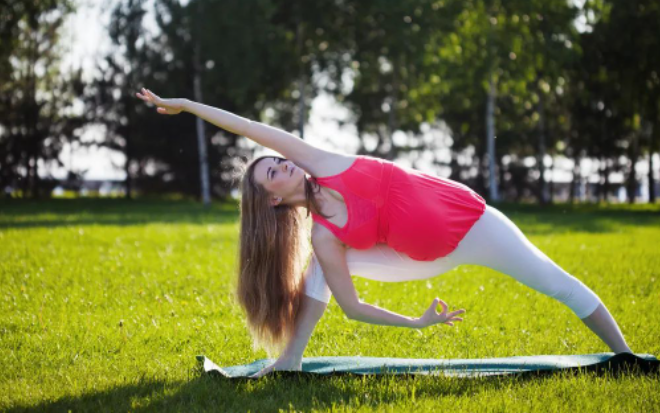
[(165, 106), (431, 316)]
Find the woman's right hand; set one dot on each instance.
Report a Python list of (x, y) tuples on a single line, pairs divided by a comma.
[(165, 106), (431, 316), (288, 364)]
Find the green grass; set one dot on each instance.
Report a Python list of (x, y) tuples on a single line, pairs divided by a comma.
[(105, 303)]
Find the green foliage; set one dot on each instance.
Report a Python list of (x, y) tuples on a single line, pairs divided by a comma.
[(413, 64), (626, 92), (105, 304), (37, 113)]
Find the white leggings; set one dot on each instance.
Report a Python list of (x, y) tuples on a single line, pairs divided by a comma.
[(494, 242)]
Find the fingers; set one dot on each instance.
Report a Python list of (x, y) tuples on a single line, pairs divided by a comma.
[(150, 97), (443, 304), (455, 313), (451, 321), (153, 96), (450, 318), (147, 95), (144, 96)]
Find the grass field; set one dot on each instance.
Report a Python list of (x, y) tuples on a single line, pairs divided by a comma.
[(105, 303)]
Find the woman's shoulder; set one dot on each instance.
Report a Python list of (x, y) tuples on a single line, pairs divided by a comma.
[(334, 164)]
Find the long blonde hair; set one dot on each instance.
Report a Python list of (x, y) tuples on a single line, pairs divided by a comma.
[(273, 248)]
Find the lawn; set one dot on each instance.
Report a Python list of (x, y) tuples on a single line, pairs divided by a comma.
[(105, 304)]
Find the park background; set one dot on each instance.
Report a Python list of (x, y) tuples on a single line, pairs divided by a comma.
[(119, 226), (567, 92)]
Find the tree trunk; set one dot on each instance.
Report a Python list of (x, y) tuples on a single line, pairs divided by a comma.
[(576, 178), (631, 186), (201, 135), (301, 80), (35, 176), (392, 114), (454, 166), (606, 180), (490, 139), (650, 131), (542, 187), (551, 186), (31, 120), (128, 183), (391, 125), (502, 182), (651, 179), (479, 160), (601, 184), (30, 176), (25, 179), (301, 108), (128, 152)]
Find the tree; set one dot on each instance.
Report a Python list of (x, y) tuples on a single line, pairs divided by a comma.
[(111, 101), (36, 99), (629, 60)]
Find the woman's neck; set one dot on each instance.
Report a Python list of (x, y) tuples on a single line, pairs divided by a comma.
[(322, 197)]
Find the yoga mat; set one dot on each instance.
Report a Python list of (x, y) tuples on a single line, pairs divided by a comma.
[(331, 366)]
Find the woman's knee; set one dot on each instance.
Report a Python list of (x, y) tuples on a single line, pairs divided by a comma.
[(579, 298)]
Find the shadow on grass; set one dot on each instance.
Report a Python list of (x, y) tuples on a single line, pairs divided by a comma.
[(589, 218), (533, 219), (299, 391), (55, 213)]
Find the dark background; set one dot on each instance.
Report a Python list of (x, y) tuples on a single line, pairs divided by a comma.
[(579, 81)]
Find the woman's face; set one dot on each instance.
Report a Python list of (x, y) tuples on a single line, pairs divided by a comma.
[(280, 177)]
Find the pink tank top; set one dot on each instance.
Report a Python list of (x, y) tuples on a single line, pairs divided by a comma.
[(421, 215)]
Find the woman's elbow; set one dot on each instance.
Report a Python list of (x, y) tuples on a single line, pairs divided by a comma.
[(352, 311)]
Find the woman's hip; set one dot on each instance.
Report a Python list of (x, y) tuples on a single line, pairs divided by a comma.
[(492, 238)]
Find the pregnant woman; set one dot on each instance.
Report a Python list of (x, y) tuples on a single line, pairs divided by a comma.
[(374, 219)]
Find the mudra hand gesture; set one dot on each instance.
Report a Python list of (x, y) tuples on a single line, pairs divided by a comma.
[(431, 316), (165, 106)]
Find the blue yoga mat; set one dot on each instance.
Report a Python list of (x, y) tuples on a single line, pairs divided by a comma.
[(330, 366)]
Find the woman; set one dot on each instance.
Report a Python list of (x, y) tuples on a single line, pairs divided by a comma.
[(374, 219)]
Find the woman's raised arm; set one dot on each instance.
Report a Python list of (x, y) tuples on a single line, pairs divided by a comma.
[(307, 156)]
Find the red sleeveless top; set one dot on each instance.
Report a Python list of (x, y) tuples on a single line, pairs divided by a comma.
[(421, 215)]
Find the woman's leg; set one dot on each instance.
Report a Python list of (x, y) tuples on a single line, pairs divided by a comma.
[(382, 263), (379, 263), (496, 242), (602, 323)]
